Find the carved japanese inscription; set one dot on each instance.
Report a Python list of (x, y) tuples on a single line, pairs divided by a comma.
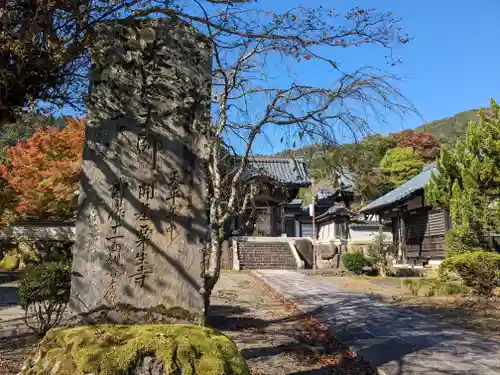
[(144, 233), (141, 213), (115, 236)]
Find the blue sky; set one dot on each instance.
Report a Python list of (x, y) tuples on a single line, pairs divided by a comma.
[(452, 65)]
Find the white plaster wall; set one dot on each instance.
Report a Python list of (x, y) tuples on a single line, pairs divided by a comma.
[(366, 236), (356, 235)]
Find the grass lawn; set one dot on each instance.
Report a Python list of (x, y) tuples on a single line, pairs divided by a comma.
[(481, 315)]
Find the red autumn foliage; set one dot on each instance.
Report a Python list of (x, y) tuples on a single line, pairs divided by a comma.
[(44, 171), (426, 145)]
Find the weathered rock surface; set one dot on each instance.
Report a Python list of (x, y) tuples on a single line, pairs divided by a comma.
[(159, 349), (141, 216), (150, 366), (131, 315)]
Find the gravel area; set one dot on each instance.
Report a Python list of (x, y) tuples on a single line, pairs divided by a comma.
[(271, 335)]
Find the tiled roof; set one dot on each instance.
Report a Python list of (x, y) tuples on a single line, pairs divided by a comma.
[(401, 192), (347, 179), (285, 170), (338, 209)]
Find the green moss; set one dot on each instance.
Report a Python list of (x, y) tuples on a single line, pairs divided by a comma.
[(177, 314), (114, 349), (10, 261)]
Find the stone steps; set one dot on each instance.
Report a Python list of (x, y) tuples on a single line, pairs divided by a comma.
[(265, 255)]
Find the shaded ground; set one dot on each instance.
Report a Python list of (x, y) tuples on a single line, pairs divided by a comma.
[(480, 315), (272, 337), (275, 340)]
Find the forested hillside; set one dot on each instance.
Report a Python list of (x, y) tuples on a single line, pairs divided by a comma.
[(381, 162), (451, 128)]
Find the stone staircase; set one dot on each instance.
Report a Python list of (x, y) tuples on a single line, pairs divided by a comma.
[(266, 255)]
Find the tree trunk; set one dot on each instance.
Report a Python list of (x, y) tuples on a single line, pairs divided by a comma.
[(212, 266)]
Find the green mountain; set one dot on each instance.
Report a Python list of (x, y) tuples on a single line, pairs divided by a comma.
[(448, 130), (363, 158), (451, 128)]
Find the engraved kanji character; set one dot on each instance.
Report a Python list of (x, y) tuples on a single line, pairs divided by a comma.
[(146, 190), (140, 277), (174, 193), (143, 234), (143, 213), (172, 178), (140, 257), (115, 247), (118, 189)]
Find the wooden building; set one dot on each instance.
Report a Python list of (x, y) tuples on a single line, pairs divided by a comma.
[(299, 218), (284, 177), (418, 229)]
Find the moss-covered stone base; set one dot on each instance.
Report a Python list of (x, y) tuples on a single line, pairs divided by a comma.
[(122, 350)]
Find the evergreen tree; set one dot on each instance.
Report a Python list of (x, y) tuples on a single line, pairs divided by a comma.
[(468, 178), (438, 190)]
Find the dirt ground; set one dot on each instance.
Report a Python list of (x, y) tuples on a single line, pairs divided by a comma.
[(271, 336), (481, 315)]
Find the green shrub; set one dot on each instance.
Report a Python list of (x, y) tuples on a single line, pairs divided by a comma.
[(433, 286), (371, 261), (354, 262), (451, 288), (459, 240), (413, 286), (408, 272), (44, 292), (431, 292), (478, 270)]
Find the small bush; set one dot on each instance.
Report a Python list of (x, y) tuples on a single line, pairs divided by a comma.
[(384, 254), (478, 270), (44, 292), (451, 288), (433, 286), (354, 262), (431, 292), (413, 286), (371, 261), (459, 240), (408, 272)]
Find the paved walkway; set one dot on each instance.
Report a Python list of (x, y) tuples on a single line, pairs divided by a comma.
[(11, 315), (396, 340)]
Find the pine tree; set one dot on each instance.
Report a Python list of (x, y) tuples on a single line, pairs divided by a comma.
[(468, 178), (438, 190)]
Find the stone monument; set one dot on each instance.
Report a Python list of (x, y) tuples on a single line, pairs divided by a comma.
[(141, 219)]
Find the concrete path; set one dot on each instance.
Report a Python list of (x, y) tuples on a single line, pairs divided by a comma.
[(396, 340)]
